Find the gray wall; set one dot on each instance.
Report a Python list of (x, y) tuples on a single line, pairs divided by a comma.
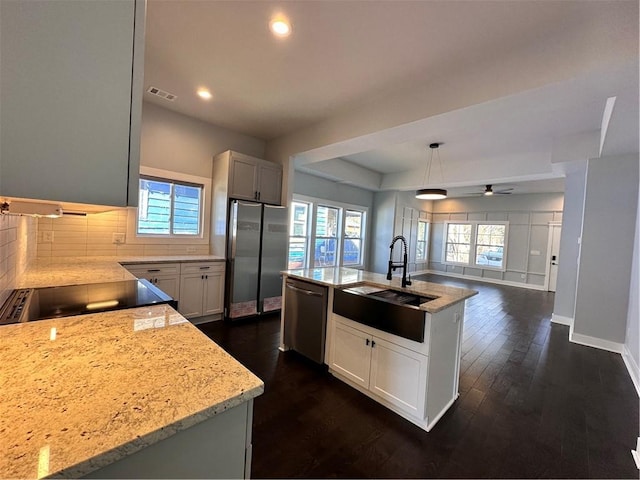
[(175, 142), (574, 186), (608, 233), (312, 186), (632, 341), (384, 214), (528, 217)]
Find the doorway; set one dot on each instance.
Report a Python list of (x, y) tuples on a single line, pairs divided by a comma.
[(553, 255)]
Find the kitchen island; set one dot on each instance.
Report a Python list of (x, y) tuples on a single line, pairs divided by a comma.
[(412, 365), (130, 393)]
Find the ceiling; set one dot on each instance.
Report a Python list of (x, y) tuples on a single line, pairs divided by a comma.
[(346, 55)]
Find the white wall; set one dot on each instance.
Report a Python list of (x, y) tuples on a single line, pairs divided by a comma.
[(17, 250), (565, 298), (608, 233), (175, 142), (528, 217)]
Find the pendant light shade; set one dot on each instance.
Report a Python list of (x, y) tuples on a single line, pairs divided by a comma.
[(431, 193)]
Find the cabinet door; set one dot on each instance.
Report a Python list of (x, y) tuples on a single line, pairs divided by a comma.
[(213, 293), (351, 356), (191, 294), (169, 285), (270, 186), (399, 376), (66, 100), (243, 183)]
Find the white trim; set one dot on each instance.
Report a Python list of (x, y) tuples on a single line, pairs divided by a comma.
[(595, 342), (487, 280), (431, 423), (632, 368), (561, 320)]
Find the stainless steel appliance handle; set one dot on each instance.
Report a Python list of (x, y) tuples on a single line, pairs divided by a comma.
[(306, 292)]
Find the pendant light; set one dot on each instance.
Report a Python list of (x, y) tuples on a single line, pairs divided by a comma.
[(432, 193)]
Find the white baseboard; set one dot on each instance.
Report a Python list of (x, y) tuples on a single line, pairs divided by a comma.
[(595, 342), (561, 320), (632, 368), (488, 280)]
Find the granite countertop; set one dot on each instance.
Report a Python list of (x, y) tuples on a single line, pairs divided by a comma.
[(79, 393), (350, 277), (80, 270)]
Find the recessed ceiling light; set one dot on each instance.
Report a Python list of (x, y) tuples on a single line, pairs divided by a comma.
[(204, 94), (280, 27)]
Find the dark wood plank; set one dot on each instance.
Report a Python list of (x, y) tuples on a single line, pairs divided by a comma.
[(531, 404)]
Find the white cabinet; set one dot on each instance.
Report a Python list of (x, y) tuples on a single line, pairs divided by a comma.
[(417, 380), (202, 289), (165, 276), (387, 370), (71, 96)]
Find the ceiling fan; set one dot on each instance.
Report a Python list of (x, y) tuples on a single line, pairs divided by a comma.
[(488, 191)]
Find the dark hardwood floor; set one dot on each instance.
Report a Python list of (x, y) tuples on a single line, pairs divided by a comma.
[(531, 405)]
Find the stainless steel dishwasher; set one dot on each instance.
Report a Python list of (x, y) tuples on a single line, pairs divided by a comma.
[(305, 318)]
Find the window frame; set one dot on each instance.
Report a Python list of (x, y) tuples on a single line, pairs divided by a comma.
[(340, 237), (306, 238), (132, 237), (172, 183), (474, 244), (425, 241)]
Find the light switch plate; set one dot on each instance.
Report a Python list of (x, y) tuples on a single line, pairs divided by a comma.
[(47, 237)]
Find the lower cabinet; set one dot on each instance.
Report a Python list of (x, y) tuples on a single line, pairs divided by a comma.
[(202, 289), (387, 370), (417, 380), (197, 286), (165, 276)]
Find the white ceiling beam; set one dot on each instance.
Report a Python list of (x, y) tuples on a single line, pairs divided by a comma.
[(344, 172)]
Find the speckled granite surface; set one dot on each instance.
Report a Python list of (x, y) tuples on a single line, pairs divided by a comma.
[(345, 277), (109, 384), (95, 269)]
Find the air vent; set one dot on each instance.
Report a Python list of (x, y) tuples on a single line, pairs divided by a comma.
[(162, 94)]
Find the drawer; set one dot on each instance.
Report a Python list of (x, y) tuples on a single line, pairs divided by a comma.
[(142, 269), (202, 267)]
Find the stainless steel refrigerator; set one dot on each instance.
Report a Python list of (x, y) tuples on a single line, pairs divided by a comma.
[(256, 254)]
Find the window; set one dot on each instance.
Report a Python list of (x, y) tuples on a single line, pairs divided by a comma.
[(298, 234), (325, 234), (353, 235), (476, 244), (169, 207), (421, 240)]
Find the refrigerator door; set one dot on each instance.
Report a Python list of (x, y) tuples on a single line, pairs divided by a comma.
[(244, 259), (275, 237)]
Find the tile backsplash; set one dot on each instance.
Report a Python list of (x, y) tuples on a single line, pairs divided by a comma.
[(92, 235), (17, 250)]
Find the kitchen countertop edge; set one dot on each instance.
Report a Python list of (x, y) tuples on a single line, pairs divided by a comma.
[(350, 277)]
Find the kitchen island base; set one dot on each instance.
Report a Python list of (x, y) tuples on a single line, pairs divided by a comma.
[(219, 447), (417, 380)]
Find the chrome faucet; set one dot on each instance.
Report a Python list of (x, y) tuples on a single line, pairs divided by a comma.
[(393, 266)]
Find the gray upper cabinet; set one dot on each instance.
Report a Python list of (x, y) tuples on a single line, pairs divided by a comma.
[(71, 96), (253, 179)]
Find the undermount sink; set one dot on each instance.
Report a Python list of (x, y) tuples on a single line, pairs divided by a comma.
[(402, 298), (391, 311)]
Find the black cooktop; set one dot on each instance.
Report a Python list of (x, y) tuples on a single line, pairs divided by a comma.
[(26, 305)]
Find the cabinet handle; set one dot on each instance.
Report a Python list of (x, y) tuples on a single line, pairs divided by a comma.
[(204, 268), (367, 342), (258, 195), (206, 277), (153, 270), (373, 344), (255, 195)]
